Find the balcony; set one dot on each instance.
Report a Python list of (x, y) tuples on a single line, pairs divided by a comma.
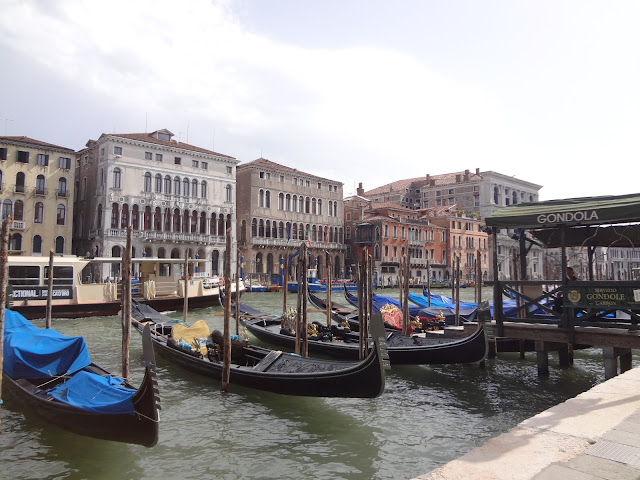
[(62, 193), (19, 189), (40, 192), (17, 225)]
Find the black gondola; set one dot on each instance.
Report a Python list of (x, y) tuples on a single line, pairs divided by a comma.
[(131, 416), (402, 349), (269, 370)]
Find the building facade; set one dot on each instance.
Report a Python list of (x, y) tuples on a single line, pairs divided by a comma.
[(389, 232), (36, 181), (279, 208), (467, 239), (472, 192), (178, 198)]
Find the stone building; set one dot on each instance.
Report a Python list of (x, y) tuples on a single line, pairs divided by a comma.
[(388, 232), (278, 208), (179, 199), (472, 192), (36, 182)]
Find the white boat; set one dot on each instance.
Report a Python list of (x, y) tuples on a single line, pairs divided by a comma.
[(77, 292)]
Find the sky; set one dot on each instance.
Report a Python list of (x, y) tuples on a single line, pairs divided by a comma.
[(358, 91)]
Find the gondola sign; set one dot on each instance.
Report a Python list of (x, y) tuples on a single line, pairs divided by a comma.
[(40, 293), (610, 296)]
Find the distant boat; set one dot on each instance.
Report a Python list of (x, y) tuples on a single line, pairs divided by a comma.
[(336, 286)]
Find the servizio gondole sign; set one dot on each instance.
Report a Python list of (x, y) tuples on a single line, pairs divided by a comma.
[(621, 296), (40, 293)]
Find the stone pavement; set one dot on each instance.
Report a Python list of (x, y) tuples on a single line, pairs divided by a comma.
[(593, 436)]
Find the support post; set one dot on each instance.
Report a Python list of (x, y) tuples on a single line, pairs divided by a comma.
[(610, 362), (543, 357), (286, 283), (185, 300), (328, 299)]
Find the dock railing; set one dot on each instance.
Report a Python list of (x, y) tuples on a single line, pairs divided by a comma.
[(609, 304)]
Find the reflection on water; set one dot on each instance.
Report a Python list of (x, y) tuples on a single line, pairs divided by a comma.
[(427, 416)]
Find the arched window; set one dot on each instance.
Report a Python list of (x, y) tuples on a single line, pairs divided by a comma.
[(203, 189), (294, 231), (62, 187), (167, 184), (158, 186), (319, 206), (15, 242), (288, 203), (267, 199), (176, 186), (294, 207), (38, 212), (194, 188), (40, 185), (115, 209), (281, 201), (0, 180), (101, 177), (185, 187), (228, 193), (36, 244), (135, 217), (203, 222), (281, 230), (514, 196), (20, 182), (261, 198), (313, 206), (261, 228), (18, 210), (267, 232), (60, 244), (254, 228), (307, 205), (61, 213), (99, 219), (117, 178), (84, 188)]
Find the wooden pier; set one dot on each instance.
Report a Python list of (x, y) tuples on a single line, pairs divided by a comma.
[(566, 314)]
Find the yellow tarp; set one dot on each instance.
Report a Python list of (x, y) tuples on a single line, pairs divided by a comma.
[(200, 329)]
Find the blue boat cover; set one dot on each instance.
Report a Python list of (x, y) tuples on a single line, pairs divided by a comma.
[(95, 393), (33, 353)]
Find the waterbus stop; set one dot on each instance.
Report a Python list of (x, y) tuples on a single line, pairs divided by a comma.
[(562, 314)]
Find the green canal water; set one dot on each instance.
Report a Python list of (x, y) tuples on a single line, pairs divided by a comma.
[(427, 416)]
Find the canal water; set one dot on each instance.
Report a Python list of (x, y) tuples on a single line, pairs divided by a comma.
[(427, 416)]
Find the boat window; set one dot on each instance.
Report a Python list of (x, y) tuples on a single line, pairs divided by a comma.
[(61, 275), (24, 275)]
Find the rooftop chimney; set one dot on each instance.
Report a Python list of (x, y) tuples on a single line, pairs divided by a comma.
[(477, 171), (466, 175), (360, 190), (458, 177)]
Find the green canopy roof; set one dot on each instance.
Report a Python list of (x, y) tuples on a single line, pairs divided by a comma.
[(569, 212)]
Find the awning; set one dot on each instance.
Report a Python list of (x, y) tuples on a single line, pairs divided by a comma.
[(570, 212)]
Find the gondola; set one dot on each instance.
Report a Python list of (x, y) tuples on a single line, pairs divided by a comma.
[(338, 312), (53, 376), (340, 342), (265, 369), (447, 312)]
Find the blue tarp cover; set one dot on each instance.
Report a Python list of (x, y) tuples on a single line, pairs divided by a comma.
[(95, 393), (33, 353)]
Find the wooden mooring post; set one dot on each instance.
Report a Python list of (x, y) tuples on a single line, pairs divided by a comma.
[(4, 265), (285, 280), (185, 303), (126, 303), (328, 299), (226, 360), (47, 320)]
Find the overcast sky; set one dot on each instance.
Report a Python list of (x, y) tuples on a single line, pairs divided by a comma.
[(356, 91)]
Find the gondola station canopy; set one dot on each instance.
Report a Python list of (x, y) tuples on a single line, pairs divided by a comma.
[(588, 221)]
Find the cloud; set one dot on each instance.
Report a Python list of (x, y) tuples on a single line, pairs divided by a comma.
[(353, 112)]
